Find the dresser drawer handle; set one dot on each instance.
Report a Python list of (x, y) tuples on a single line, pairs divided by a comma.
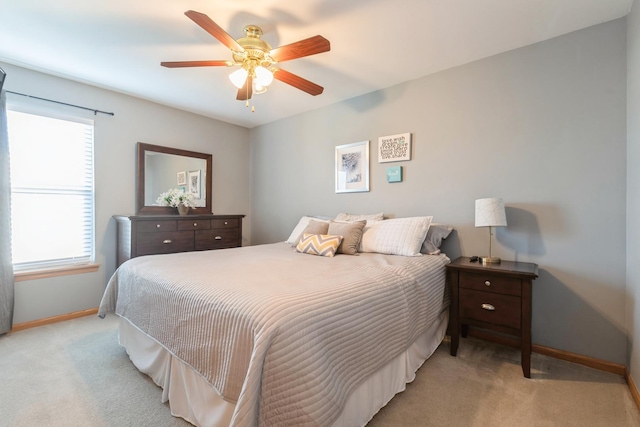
[(157, 225), (195, 224), (166, 242), (218, 238), (488, 283), (488, 307), (226, 223)]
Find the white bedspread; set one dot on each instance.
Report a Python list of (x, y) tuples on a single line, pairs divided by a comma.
[(285, 335)]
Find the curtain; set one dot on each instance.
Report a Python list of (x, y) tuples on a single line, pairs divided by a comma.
[(6, 266)]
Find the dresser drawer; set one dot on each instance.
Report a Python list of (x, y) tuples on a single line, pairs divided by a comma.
[(156, 226), (225, 223), (489, 307), (194, 224), (490, 283), (217, 239), (164, 242)]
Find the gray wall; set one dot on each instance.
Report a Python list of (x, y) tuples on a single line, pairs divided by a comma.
[(633, 192), (542, 127), (115, 151)]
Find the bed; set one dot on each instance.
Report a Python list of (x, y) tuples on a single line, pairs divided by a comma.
[(266, 335)]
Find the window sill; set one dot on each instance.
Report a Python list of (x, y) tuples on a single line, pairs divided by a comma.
[(55, 272)]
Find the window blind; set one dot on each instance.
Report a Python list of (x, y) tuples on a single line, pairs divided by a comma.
[(52, 191)]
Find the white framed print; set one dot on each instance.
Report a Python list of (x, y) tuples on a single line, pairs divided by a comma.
[(394, 148), (352, 167), (182, 178), (194, 184)]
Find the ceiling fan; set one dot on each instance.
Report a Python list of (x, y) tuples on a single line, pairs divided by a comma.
[(256, 58)]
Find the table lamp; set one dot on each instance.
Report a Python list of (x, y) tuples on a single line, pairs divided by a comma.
[(490, 213)]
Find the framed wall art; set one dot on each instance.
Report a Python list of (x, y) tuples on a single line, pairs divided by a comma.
[(352, 167), (194, 183), (182, 178), (394, 148)]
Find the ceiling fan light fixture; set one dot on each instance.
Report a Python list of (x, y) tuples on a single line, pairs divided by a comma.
[(238, 77), (258, 89), (264, 77)]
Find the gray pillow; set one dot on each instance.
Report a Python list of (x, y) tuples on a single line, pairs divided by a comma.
[(351, 233), (316, 227)]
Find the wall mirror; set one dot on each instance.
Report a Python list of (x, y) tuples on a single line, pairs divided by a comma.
[(162, 168)]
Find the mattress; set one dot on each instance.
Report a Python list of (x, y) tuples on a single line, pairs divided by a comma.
[(285, 337)]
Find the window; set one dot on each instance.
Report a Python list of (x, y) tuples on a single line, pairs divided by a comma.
[(52, 196)]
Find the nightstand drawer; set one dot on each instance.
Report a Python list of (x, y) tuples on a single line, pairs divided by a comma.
[(496, 309), (487, 282)]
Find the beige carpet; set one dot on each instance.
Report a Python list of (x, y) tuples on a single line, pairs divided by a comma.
[(75, 374)]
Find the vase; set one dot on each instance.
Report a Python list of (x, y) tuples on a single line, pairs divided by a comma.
[(183, 210)]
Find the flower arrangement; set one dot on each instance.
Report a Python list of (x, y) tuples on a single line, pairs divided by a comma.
[(175, 197)]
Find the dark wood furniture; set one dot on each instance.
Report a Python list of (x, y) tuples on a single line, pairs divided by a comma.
[(494, 297), (162, 234)]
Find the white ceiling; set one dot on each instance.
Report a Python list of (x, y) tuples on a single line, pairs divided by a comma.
[(119, 44)]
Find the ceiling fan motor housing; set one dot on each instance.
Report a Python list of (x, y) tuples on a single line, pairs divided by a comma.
[(256, 50)]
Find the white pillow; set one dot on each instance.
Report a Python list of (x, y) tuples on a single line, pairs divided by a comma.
[(435, 235), (398, 236), (353, 217), (302, 224)]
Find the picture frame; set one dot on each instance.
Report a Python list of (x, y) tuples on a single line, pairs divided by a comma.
[(182, 178), (193, 183), (394, 148), (352, 167)]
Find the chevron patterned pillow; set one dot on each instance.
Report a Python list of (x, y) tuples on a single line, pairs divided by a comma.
[(319, 244)]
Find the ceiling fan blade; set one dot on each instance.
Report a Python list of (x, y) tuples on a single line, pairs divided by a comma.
[(302, 48), (178, 64), (297, 82), (214, 29), (245, 92)]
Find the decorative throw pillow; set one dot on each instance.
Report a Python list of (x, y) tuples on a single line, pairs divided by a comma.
[(319, 244), (294, 237), (317, 227), (399, 236), (435, 235), (353, 217), (351, 233)]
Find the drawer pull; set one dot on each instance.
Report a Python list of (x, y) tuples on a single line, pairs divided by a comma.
[(195, 224), (226, 223), (488, 307), (488, 283), (157, 225), (166, 242), (218, 238)]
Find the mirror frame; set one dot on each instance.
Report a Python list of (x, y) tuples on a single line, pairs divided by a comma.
[(168, 210)]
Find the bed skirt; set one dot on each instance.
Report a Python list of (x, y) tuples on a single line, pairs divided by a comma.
[(192, 398)]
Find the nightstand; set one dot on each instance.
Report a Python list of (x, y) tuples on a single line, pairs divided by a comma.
[(494, 297)]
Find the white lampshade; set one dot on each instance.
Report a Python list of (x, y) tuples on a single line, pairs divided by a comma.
[(238, 77), (264, 77), (490, 213)]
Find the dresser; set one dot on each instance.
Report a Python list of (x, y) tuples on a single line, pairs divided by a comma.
[(493, 297), (163, 234)]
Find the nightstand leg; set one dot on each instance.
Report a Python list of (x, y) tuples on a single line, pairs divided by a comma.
[(526, 364), (454, 321)]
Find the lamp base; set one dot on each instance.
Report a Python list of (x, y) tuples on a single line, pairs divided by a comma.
[(490, 260)]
